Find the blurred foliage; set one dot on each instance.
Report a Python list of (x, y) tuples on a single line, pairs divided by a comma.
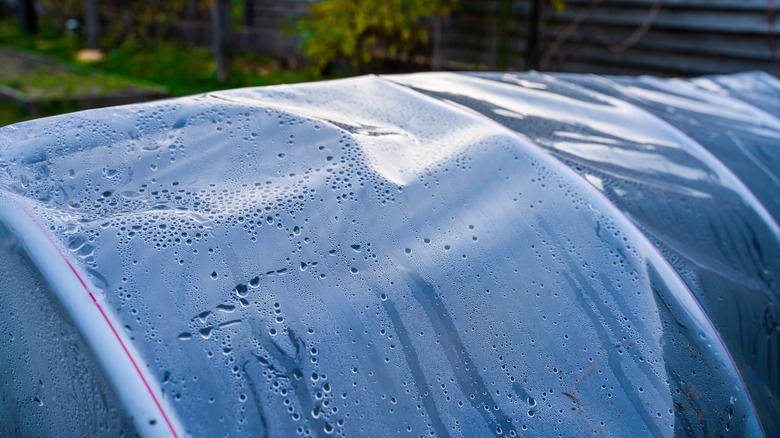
[(364, 32), (121, 19), (558, 6), (13, 113), (182, 68), (142, 20)]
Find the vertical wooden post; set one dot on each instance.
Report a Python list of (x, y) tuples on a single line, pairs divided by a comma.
[(249, 16), (222, 37), (492, 57), (92, 23), (28, 18), (191, 10), (535, 37), (436, 53)]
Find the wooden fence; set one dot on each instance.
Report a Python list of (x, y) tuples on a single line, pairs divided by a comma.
[(661, 37), (671, 37)]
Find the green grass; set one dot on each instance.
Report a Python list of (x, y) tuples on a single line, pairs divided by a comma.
[(53, 83), (188, 70), (181, 68)]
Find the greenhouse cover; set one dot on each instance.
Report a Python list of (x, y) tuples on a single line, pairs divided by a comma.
[(427, 254)]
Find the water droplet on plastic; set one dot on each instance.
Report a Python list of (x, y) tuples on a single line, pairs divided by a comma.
[(205, 333)]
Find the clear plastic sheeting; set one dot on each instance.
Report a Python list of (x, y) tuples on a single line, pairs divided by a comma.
[(50, 384), (696, 171), (429, 254)]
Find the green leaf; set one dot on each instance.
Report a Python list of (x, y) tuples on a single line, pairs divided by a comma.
[(365, 32)]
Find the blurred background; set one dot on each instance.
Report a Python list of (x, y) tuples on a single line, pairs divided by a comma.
[(58, 56)]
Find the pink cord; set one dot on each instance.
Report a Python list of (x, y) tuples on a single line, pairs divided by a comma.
[(105, 317)]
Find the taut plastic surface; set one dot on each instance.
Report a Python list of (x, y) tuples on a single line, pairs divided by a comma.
[(447, 254)]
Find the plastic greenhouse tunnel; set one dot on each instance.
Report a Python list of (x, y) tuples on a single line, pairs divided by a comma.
[(420, 255)]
